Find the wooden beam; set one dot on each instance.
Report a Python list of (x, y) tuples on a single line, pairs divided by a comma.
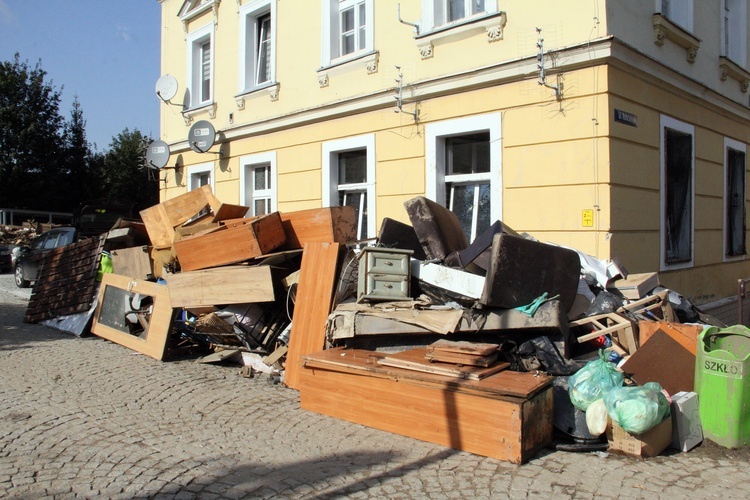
[(317, 282)]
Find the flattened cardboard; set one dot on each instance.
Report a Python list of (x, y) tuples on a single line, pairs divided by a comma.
[(662, 359), (685, 334)]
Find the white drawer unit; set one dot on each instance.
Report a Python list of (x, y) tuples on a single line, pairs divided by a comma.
[(384, 274)]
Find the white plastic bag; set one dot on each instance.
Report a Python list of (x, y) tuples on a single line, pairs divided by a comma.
[(596, 417)]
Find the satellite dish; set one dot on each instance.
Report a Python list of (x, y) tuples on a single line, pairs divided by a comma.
[(166, 87), (157, 155), (201, 136)]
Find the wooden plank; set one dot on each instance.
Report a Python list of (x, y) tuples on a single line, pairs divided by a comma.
[(463, 347), (228, 211), (416, 359), (67, 276), (134, 261), (506, 385), (321, 225), (231, 245), (221, 285), (506, 430), (106, 317), (160, 220), (317, 281)]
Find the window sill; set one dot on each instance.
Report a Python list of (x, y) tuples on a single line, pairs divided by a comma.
[(731, 69), (664, 29), (272, 89), (369, 61), (190, 113), (492, 24)]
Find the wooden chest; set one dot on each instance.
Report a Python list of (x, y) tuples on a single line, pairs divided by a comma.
[(507, 416)]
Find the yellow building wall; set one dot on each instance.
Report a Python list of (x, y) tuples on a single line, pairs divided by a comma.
[(561, 158)]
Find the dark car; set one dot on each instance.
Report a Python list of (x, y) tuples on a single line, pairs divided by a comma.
[(95, 217), (29, 258), (5, 260)]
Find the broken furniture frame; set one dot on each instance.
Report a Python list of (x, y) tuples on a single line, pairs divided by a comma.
[(110, 322), (620, 328)]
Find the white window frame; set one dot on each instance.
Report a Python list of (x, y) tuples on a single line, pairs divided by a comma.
[(734, 31), (331, 149), (741, 147), (435, 135), (681, 12), (666, 122), (331, 33), (250, 13), (247, 190), (194, 172), (434, 15), (195, 41)]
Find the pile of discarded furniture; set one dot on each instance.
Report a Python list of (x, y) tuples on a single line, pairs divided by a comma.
[(419, 332)]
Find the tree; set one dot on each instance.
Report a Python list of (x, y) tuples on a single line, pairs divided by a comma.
[(31, 143), (124, 175), (46, 163), (82, 169)]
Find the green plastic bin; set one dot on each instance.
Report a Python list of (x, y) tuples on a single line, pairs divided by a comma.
[(722, 381)]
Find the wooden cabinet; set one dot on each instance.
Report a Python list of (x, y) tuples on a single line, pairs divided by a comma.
[(384, 274)]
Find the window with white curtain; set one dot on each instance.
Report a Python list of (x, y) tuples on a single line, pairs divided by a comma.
[(257, 44), (349, 179), (200, 66), (734, 31), (464, 170), (679, 12), (258, 183), (347, 29), (437, 13)]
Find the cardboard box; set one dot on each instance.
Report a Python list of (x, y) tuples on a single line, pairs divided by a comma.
[(635, 286), (687, 431), (648, 444)]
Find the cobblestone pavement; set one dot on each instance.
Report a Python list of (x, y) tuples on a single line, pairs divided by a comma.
[(86, 418)]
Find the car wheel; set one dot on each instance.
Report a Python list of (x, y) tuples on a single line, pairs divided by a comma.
[(21, 281)]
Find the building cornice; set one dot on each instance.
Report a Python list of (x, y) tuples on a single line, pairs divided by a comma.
[(593, 53)]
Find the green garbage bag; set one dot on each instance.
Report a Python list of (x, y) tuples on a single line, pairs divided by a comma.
[(592, 381), (637, 409)]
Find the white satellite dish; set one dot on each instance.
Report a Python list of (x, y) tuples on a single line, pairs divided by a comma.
[(201, 136), (166, 87), (157, 155)]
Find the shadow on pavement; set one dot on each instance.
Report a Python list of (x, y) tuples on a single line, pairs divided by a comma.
[(14, 333), (326, 476)]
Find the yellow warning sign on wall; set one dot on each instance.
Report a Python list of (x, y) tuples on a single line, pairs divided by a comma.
[(587, 217)]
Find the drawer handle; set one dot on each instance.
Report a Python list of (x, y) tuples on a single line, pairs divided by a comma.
[(388, 263), (388, 285)]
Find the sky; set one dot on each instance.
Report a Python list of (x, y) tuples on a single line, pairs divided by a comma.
[(106, 52)]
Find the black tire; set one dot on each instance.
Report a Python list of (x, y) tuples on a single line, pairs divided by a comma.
[(21, 281)]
